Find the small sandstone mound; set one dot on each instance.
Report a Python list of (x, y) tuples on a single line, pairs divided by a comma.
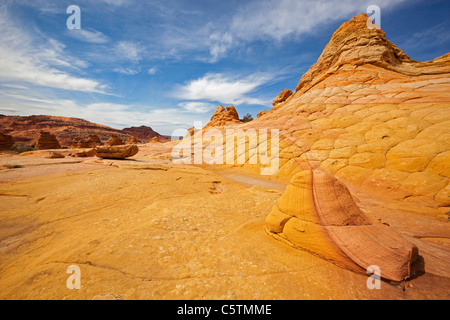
[(114, 141), (117, 151), (318, 214), (282, 97), (91, 142), (47, 141), (133, 140), (224, 117), (6, 142)]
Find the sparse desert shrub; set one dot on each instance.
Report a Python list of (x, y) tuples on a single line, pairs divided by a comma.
[(13, 166), (20, 148), (247, 118)]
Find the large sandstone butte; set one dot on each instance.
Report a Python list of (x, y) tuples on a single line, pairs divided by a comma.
[(364, 118), (368, 114)]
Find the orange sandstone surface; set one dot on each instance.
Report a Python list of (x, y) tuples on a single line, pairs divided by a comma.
[(363, 180)]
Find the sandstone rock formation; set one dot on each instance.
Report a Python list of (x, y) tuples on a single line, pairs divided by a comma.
[(54, 155), (191, 131), (133, 140), (372, 117), (85, 153), (117, 151), (47, 141), (282, 97), (317, 213), (6, 142), (261, 113), (224, 117), (91, 142), (154, 140), (114, 141), (144, 133)]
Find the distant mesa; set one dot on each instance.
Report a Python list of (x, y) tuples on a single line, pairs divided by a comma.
[(25, 130), (144, 133), (47, 141), (282, 97), (6, 142)]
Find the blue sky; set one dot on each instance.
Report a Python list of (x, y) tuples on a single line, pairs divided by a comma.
[(167, 64)]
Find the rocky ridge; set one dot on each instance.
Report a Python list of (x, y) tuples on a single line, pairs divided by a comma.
[(26, 130)]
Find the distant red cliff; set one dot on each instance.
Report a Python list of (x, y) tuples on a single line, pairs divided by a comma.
[(26, 130)]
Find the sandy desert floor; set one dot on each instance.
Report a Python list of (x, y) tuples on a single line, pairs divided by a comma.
[(148, 229)]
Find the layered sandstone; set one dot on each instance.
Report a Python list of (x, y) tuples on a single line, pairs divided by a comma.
[(368, 114), (47, 141), (282, 97), (116, 151), (144, 133), (318, 214), (6, 142), (25, 130)]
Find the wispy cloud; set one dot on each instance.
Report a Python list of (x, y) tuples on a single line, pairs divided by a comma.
[(223, 89), (126, 71), (152, 71), (43, 63), (278, 20), (433, 37), (88, 35), (131, 51), (197, 106)]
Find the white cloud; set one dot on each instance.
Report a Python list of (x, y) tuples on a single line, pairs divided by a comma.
[(277, 20), (25, 60), (117, 3), (130, 51), (91, 36), (14, 86), (223, 89), (126, 71), (152, 71), (197, 106)]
